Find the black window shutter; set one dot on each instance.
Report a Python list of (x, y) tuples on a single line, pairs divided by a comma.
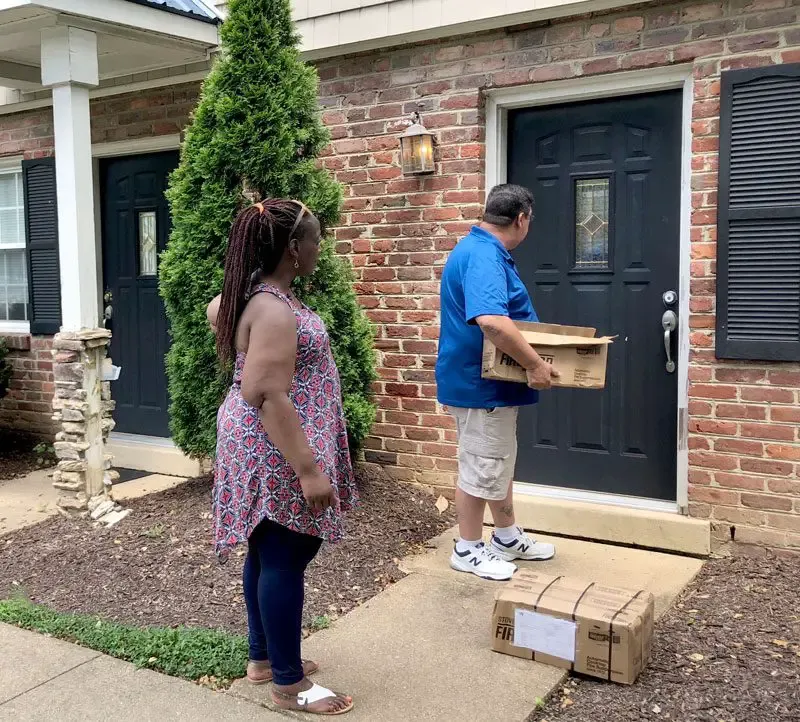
[(758, 225), (41, 229)]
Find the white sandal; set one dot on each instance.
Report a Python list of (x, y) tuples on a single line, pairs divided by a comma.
[(316, 693)]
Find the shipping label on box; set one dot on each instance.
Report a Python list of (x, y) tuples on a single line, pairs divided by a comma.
[(574, 351), (582, 626)]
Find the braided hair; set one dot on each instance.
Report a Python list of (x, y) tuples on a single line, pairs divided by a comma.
[(259, 237)]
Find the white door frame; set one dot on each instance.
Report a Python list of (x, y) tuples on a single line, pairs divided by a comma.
[(498, 103)]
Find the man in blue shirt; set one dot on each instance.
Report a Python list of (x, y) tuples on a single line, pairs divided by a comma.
[(482, 295)]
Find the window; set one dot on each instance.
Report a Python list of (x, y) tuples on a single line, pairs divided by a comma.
[(13, 260), (758, 232), (591, 223), (148, 252)]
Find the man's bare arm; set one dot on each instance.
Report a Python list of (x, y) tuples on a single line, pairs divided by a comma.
[(504, 334)]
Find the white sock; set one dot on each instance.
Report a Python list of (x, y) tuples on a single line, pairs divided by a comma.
[(463, 545), (507, 534)]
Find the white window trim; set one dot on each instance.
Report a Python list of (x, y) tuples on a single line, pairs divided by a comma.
[(13, 164), (501, 100)]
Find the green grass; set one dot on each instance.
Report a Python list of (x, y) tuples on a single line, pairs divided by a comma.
[(193, 654)]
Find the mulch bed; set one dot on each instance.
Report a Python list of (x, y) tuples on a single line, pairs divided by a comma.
[(21, 453), (157, 567), (728, 651)]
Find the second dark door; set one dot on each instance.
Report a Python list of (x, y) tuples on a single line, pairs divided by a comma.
[(135, 230)]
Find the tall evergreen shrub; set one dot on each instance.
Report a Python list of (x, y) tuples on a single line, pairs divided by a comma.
[(256, 132)]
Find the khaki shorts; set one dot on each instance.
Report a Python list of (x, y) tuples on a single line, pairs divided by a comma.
[(487, 450)]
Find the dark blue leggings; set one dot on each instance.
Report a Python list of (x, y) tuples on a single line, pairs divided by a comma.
[(273, 591)]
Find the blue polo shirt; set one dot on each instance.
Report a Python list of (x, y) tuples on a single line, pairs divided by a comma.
[(479, 279)]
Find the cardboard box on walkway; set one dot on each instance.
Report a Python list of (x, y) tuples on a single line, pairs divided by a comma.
[(574, 351), (584, 627)]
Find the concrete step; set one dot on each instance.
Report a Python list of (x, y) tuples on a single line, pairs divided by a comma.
[(149, 453), (658, 530)]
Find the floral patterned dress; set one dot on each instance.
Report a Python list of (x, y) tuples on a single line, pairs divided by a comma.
[(253, 481)]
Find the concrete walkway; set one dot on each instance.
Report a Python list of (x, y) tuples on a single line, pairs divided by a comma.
[(30, 499), (43, 679), (420, 650)]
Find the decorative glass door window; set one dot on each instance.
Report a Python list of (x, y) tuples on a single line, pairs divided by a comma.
[(148, 249), (591, 222), (13, 270)]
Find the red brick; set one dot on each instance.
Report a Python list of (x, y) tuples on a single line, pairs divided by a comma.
[(784, 521), (510, 77), (445, 450), (411, 390), (553, 71), (768, 468), (743, 375), (696, 13), (768, 431), (745, 61), (739, 516), (713, 495), (713, 461), (700, 408), (422, 434), (767, 502), (780, 451), (789, 414), (761, 537), (771, 19), (601, 65), (629, 25), (785, 378), (764, 394), (739, 481), (784, 486), (739, 446), (748, 43), (419, 405), (712, 391), (461, 102), (708, 426), (441, 214)]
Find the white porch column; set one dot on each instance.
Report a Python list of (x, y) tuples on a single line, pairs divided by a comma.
[(70, 68), (82, 401)]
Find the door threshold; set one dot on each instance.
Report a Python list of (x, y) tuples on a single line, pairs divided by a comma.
[(597, 497), (154, 454), (628, 521)]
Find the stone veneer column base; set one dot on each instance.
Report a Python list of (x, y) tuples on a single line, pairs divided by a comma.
[(83, 409)]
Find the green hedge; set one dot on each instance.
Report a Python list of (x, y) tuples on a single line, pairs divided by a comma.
[(257, 126)]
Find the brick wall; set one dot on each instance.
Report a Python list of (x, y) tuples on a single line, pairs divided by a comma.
[(163, 111), (744, 435), (27, 404), (745, 447)]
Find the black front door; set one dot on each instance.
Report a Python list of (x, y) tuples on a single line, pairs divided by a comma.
[(135, 229), (602, 252)]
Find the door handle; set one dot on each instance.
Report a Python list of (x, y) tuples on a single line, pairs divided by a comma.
[(669, 322)]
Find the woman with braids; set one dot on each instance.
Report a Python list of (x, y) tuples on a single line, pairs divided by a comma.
[(283, 473)]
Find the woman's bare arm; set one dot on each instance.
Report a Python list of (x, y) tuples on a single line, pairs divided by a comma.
[(266, 385), (212, 311)]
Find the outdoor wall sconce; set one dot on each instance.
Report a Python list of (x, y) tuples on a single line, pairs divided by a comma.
[(416, 149)]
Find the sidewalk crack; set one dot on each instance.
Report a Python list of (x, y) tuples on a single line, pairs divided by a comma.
[(47, 681)]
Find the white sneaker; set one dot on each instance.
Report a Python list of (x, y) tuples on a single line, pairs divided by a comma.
[(482, 562), (522, 547)]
